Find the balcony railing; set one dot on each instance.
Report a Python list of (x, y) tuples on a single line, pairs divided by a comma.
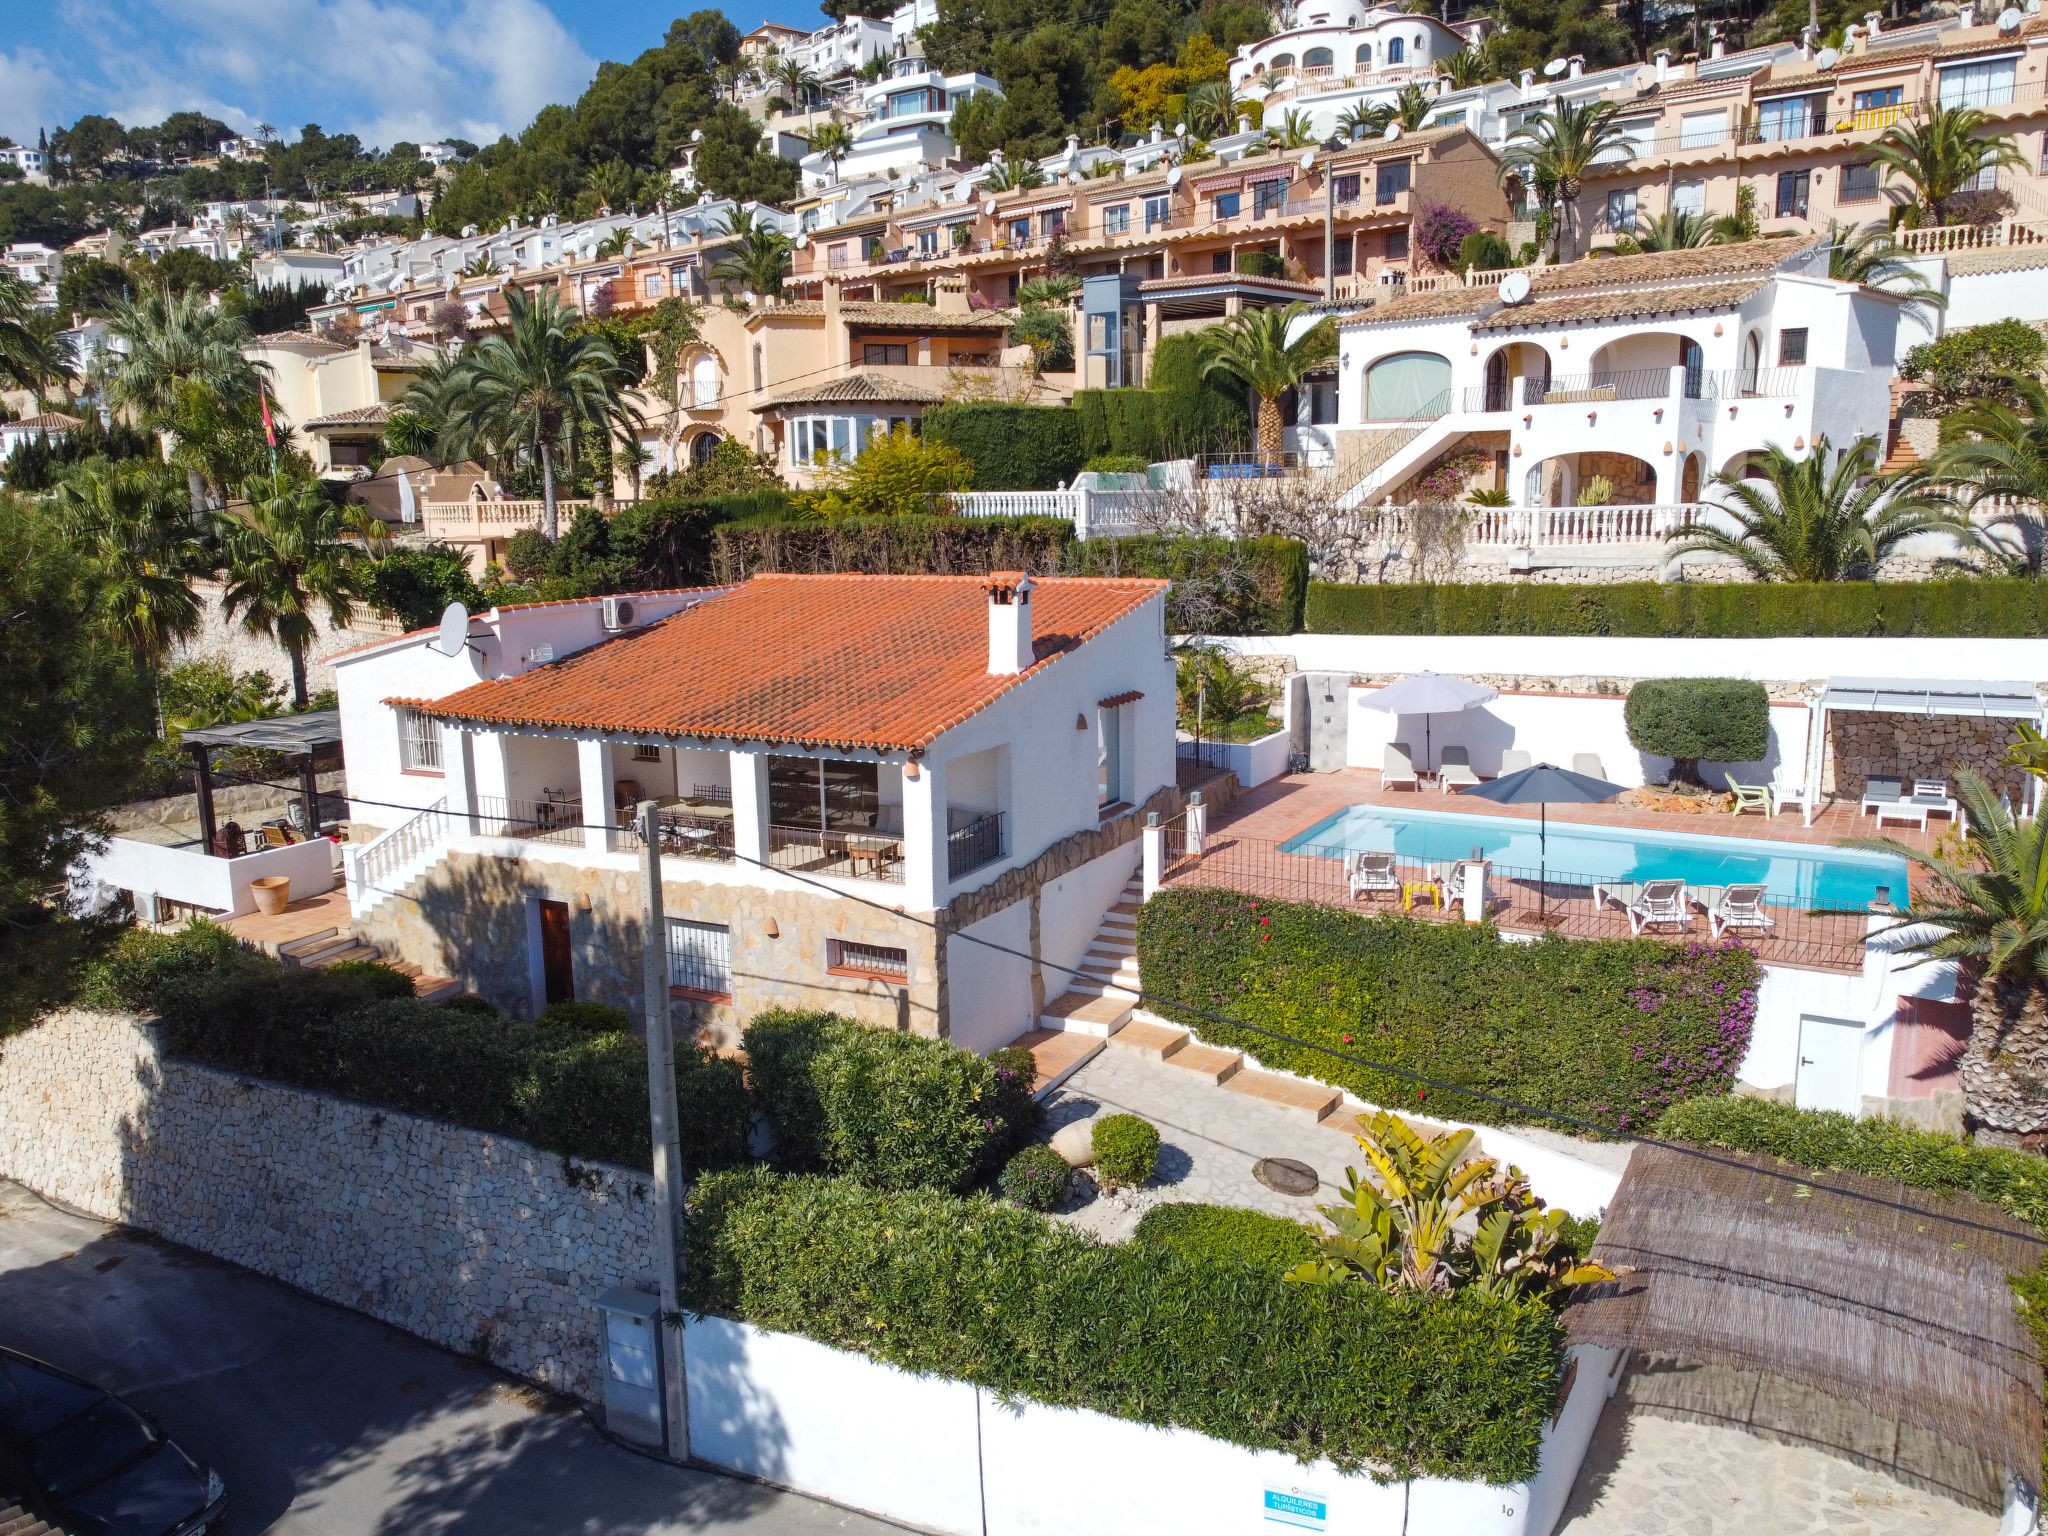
[(1972, 237), (558, 821), (693, 832), (1554, 527), (847, 854), (1592, 388), (1484, 399), (480, 518), (973, 843)]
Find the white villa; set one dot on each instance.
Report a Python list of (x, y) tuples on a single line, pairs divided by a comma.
[(908, 123)]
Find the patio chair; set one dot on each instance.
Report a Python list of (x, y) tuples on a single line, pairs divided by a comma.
[(1622, 893), (1588, 763), (1933, 793), (1398, 767), (1783, 794), (1514, 760), (1749, 797), (1739, 906), (1659, 901), (1454, 766), (1367, 873), (1879, 793)]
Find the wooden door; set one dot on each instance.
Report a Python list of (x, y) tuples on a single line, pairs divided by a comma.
[(556, 965)]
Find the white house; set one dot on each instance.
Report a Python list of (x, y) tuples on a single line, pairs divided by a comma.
[(842, 763), (34, 164), (1645, 375), (908, 123), (1349, 41), (51, 424)]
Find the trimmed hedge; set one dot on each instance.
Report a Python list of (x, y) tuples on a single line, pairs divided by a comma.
[(1612, 1031), (894, 1111), (1177, 415), (1724, 719), (1012, 447), (1126, 1150), (1404, 1385), (917, 544), (1278, 567), (1037, 1178), (567, 1090), (1227, 1232), (1994, 609)]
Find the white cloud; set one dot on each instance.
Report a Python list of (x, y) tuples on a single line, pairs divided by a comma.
[(29, 94)]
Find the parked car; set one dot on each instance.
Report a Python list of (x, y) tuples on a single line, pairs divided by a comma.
[(86, 1461)]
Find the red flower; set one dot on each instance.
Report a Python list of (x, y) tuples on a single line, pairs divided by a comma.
[(1347, 1039)]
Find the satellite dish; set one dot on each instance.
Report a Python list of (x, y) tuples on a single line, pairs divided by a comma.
[(1645, 78), (1555, 68), (1180, 130), (2010, 18), (1828, 58), (1393, 131), (989, 207), (803, 242), (1173, 177), (454, 636), (696, 135), (1308, 159), (1514, 288)]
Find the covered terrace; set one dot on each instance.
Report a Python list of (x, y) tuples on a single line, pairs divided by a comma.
[(1905, 730)]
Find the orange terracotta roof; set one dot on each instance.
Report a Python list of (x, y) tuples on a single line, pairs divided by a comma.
[(1582, 308), (883, 662)]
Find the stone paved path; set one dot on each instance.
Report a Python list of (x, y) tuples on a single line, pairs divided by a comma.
[(1651, 1476)]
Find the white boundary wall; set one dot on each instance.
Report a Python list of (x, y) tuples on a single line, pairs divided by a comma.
[(955, 1458)]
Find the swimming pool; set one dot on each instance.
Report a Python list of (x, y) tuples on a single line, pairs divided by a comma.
[(1794, 874)]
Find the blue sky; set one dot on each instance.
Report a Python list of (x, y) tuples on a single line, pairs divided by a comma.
[(384, 69)]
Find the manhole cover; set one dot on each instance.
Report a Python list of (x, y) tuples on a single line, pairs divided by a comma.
[(1285, 1176)]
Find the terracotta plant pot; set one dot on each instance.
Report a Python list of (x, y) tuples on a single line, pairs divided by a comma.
[(273, 893)]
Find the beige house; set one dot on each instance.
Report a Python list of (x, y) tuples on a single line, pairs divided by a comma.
[(333, 400)]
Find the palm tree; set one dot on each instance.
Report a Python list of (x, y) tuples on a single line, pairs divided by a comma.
[(1360, 121), (1802, 521), (480, 265), (613, 184), (1990, 912), (1996, 459), (1252, 347), (797, 81), (1013, 175), (1675, 230), (287, 552), (1941, 157), (1213, 108), (1554, 149), (834, 141), (533, 387), (759, 262), (140, 549), (184, 375), (1871, 256), (1050, 292), (1465, 69), (31, 355), (1411, 109), (1294, 131)]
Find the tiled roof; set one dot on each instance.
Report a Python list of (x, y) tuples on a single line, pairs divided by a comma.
[(1153, 285), (1996, 258), (362, 415), (855, 389), (1706, 261), (882, 662), (922, 317), (297, 339), (49, 421), (1440, 305), (1619, 306)]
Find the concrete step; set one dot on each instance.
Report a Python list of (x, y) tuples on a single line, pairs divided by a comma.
[(16, 1521), (309, 943), (1155, 1042), (1086, 1013), (1110, 947), (348, 951), (1102, 986), (1058, 1055), (1211, 1063), (1311, 1101), (1123, 968), (435, 989)]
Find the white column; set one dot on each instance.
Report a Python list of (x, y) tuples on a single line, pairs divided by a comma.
[(458, 770), (925, 873), (594, 770), (1198, 825), (1155, 854), (1475, 890), (750, 807)]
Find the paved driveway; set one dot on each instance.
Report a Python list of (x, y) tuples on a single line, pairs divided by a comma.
[(325, 1421)]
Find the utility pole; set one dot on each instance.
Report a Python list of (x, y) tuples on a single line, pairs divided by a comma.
[(667, 1136)]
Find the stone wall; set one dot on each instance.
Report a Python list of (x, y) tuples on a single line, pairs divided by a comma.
[(475, 1242), (224, 639), (1918, 747)]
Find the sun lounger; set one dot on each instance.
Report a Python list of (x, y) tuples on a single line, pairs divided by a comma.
[(1397, 767), (1622, 893), (1879, 793), (1514, 760), (1933, 793), (1454, 767), (1588, 763), (1749, 797), (1659, 901), (1370, 872), (1739, 906)]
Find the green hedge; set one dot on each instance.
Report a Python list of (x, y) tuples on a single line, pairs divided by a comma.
[(1227, 1231), (1726, 719), (1178, 414), (1399, 1384), (1611, 1031), (894, 1111), (1686, 610), (1269, 604), (564, 1089), (912, 545), (1012, 447)]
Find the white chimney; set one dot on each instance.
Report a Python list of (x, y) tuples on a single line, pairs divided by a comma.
[(1009, 623), (1663, 64)]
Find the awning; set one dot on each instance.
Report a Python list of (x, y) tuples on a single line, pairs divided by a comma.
[(311, 732), (1896, 696), (1256, 177)]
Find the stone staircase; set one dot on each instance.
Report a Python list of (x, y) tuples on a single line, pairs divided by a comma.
[(16, 1521), (315, 951)]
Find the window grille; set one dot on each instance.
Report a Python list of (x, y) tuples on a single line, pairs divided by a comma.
[(419, 742), (879, 958), (699, 956)]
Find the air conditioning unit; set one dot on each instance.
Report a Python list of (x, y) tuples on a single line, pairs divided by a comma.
[(618, 613)]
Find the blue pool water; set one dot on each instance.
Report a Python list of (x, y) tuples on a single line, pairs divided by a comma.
[(1794, 874)]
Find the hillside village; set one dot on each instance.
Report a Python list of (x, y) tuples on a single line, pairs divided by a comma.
[(1291, 759)]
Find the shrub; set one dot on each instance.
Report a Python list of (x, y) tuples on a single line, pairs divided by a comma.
[(374, 976), (1441, 231), (414, 583), (1240, 586), (1011, 447), (570, 1091), (1611, 1031), (529, 555), (140, 964), (1117, 464), (1050, 335), (1037, 1178), (1400, 1386), (917, 545), (590, 1018), (1256, 263), (1484, 252), (1126, 1150), (1721, 719), (895, 1111), (1685, 610), (1227, 1232), (1969, 363)]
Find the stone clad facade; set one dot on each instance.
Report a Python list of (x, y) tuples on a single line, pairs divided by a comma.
[(1919, 747), (473, 1241)]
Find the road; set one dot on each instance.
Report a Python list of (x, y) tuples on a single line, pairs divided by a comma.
[(324, 1421)]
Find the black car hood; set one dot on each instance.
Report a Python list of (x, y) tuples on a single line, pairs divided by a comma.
[(148, 1498)]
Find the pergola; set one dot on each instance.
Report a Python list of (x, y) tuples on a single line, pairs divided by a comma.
[(1915, 696), (303, 738)]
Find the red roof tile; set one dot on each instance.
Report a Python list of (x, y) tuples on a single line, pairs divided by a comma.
[(884, 662)]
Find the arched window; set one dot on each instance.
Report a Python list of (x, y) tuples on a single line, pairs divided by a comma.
[(1396, 50), (1689, 479), (704, 381), (1365, 55), (1407, 386), (1282, 61), (1752, 355), (1318, 58), (701, 449), (1695, 364)]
